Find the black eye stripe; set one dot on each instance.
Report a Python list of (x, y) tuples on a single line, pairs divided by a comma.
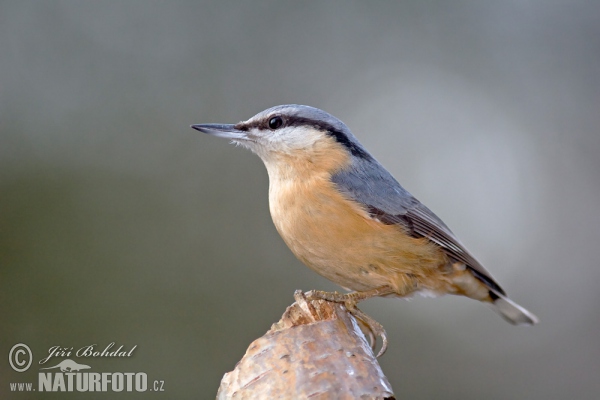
[(329, 129), (338, 135)]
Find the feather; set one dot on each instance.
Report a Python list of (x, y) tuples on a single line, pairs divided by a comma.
[(371, 185)]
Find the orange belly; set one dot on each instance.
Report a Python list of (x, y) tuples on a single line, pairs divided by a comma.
[(337, 238)]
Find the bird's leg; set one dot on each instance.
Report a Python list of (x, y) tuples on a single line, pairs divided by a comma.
[(350, 300)]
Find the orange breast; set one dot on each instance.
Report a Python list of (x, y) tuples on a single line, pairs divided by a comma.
[(337, 238)]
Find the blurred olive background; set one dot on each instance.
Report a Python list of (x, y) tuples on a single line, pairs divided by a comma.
[(119, 223)]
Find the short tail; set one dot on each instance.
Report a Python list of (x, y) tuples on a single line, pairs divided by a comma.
[(511, 311)]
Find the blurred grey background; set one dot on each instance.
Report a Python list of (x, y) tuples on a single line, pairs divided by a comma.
[(120, 223)]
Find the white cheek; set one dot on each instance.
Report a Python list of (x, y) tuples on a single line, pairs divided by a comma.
[(291, 138), (295, 138)]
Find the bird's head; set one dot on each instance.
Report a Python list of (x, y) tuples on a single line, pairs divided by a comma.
[(287, 132)]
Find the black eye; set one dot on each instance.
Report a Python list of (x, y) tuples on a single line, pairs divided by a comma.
[(275, 123)]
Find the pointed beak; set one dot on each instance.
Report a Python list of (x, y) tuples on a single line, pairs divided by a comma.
[(222, 131)]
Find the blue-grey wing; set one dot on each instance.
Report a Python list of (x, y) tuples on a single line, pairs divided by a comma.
[(371, 185)]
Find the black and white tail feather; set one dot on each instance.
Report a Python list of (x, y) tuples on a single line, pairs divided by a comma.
[(511, 311)]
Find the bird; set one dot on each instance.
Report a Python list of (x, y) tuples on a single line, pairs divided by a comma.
[(347, 218)]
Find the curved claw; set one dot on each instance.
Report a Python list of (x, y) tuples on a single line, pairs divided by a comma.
[(369, 332), (374, 328), (384, 344)]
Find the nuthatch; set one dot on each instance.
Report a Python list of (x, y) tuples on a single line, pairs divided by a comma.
[(345, 216)]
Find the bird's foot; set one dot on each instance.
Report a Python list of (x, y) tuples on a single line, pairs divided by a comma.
[(350, 300)]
